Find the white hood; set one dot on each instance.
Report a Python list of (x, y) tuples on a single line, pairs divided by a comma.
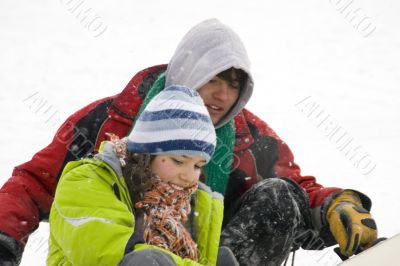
[(206, 50)]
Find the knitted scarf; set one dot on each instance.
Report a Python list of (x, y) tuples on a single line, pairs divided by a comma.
[(166, 208), (218, 169)]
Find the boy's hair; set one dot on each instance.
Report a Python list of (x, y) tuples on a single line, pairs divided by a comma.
[(234, 75)]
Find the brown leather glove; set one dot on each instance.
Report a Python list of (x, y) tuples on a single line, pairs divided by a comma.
[(351, 224)]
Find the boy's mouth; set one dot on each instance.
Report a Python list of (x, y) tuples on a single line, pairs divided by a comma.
[(214, 109)]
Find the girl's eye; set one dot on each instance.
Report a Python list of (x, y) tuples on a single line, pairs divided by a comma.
[(198, 167), (177, 162)]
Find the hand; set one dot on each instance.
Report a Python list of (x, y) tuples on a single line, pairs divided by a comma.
[(10, 251), (351, 224)]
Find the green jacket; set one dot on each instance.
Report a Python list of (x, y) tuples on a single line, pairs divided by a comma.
[(92, 220)]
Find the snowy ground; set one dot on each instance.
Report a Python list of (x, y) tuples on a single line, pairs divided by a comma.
[(304, 54)]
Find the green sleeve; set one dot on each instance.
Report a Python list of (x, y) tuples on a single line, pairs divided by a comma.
[(89, 225), (217, 211), (208, 220)]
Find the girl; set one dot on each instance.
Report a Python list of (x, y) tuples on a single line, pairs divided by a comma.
[(132, 201)]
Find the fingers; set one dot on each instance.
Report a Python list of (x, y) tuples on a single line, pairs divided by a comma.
[(367, 225), (339, 227), (348, 231), (353, 243), (350, 223), (360, 229), (370, 233)]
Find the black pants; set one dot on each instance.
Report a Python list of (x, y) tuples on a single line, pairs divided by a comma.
[(156, 257), (262, 227)]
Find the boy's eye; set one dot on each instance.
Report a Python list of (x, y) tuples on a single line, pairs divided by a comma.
[(235, 85)]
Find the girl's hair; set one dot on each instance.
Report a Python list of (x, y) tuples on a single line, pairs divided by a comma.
[(234, 75), (137, 174)]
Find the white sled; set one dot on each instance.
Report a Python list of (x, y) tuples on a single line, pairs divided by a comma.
[(385, 253)]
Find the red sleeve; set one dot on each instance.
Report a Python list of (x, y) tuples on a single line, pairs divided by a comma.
[(286, 167), (28, 194)]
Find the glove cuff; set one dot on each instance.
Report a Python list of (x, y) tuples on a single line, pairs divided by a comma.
[(347, 195), (12, 246)]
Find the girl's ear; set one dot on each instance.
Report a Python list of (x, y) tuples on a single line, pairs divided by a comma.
[(202, 177)]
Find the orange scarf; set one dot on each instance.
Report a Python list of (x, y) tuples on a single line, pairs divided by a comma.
[(166, 208)]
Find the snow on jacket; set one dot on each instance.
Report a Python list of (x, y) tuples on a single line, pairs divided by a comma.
[(27, 196), (92, 221)]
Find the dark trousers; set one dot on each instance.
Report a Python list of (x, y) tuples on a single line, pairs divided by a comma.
[(156, 257), (263, 225)]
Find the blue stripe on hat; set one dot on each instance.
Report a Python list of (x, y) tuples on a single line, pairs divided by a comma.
[(172, 114), (172, 117), (187, 91), (182, 123), (164, 147)]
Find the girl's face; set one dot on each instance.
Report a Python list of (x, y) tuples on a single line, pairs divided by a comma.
[(183, 171)]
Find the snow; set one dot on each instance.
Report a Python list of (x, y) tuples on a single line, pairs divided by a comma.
[(377, 254), (54, 60)]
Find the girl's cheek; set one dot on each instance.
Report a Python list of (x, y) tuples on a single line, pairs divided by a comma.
[(167, 168), (165, 165)]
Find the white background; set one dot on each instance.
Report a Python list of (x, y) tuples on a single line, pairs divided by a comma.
[(298, 49)]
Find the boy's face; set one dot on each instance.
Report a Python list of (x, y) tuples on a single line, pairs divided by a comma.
[(183, 171), (219, 96)]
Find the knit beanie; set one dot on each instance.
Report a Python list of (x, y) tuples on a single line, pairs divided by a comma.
[(174, 122)]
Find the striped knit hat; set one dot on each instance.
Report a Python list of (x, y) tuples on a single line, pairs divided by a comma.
[(174, 122)]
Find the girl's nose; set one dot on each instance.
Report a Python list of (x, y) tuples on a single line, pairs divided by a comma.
[(188, 178)]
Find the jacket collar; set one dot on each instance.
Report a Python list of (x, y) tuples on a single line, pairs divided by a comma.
[(127, 103), (243, 137), (107, 155)]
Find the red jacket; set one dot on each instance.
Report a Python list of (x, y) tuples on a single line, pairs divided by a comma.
[(27, 196)]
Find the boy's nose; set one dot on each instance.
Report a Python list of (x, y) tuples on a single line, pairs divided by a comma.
[(222, 91)]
